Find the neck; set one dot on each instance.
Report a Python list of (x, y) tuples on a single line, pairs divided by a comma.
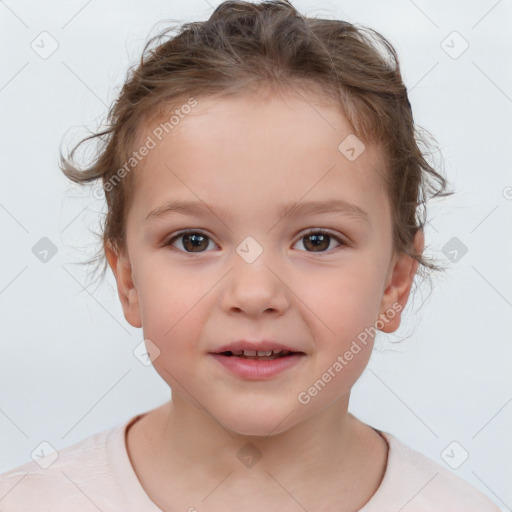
[(185, 446), (188, 432)]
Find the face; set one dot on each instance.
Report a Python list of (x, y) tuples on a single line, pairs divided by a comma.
[(311, 280)]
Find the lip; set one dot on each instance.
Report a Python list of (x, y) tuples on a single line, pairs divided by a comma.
[(252, 369), (263, 346)]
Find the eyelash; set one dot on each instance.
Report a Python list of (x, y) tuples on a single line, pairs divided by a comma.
[(312, 231)]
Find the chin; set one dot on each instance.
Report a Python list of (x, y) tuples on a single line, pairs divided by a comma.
[(257, 428), (258, 422)]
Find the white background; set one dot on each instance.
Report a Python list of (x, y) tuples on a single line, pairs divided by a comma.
[(67, 369)]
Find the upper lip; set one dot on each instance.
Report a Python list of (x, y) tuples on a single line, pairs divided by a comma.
[(262, 346)]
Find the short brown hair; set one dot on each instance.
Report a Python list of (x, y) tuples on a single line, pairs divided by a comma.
[(243, 46)]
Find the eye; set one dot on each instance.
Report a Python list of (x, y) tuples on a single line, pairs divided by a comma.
[(193, 240), (318, 240), (196, 241)]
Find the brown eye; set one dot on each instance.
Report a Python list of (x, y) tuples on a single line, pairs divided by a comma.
[(318, 241), (192, 241)]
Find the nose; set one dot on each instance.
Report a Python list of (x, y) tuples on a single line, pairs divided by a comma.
[(255, 288)]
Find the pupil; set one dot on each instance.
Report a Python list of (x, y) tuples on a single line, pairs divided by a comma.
[(318, 239), (194, 238)]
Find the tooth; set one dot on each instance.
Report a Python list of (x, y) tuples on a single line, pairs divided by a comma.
[(260, 353)]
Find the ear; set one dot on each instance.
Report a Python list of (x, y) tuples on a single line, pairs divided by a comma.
[(398, 286), (121, 267)]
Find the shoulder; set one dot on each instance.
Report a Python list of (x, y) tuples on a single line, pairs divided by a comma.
[(413, 482), (73, 478)]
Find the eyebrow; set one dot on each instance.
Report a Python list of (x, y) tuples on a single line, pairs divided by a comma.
[(297, 208)]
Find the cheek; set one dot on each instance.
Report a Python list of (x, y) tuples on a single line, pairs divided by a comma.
[(174, 307), (165, 293), (343, 302)]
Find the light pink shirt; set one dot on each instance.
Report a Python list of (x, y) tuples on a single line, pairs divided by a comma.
[(96, 475)]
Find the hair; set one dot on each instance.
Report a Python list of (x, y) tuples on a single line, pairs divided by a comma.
[(242, 47)]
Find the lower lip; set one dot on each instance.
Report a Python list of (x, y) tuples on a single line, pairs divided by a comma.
[(257, 370)]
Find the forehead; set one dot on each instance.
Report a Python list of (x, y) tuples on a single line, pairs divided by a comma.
[(247, 150)]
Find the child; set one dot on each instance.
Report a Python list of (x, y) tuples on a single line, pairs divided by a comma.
[(263, 183)]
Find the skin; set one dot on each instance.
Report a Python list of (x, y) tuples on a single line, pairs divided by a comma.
[(247, 154)]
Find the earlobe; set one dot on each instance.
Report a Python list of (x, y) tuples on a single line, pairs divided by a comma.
[(121, 267), (398, 287)]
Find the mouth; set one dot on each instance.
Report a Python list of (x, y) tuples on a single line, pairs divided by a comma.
[(257, 355), (259, 365)]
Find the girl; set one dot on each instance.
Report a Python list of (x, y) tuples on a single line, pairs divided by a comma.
[(264, 184)]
